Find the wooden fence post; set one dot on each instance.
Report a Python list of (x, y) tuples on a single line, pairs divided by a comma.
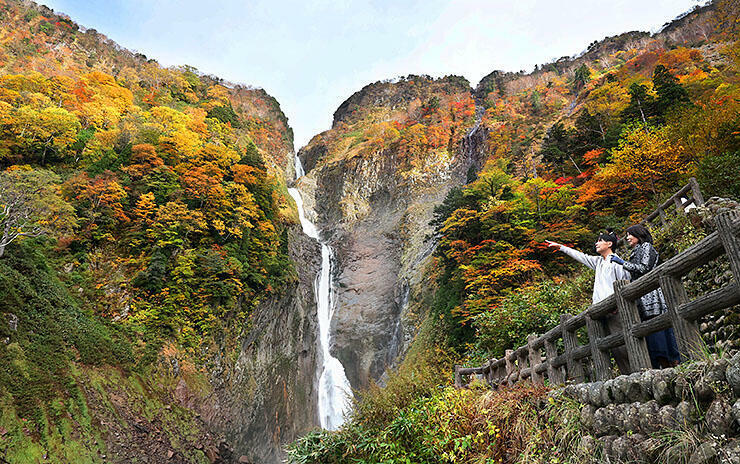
[(687, 333), (491, 371), (521, 363), (600, 358), (458, 377), (730, 241), (553, 374), (570, 342), (509, 367), (637, 351), (535, 358), (499, 375), (679, 205), (696, 192)]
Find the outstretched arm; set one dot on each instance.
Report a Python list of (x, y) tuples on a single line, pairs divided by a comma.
[(582, 258)]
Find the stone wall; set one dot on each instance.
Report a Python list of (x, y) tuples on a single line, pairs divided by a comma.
[(690, 413), (719, 330)]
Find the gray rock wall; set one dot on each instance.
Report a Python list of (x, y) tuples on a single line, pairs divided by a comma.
[(377, 222), (267, 397)]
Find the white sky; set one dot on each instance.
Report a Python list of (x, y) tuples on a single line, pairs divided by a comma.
[(312, 55)]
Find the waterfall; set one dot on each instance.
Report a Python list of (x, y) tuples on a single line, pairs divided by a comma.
[(334, 388), (480, 110), (298, 167)]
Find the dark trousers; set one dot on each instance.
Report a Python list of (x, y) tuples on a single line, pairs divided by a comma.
[(662, 344)]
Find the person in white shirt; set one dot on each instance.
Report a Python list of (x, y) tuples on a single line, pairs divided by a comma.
[(607, 272)]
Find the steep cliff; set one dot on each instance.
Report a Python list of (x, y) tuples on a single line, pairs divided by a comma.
[(267, 396), (393, 153)]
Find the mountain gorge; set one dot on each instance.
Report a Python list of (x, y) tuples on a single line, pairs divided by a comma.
[(162, 305), (394, 152)]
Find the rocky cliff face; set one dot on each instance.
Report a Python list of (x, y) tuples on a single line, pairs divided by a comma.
[(270, 397), (250, 389), (374, 209), (266, 397)]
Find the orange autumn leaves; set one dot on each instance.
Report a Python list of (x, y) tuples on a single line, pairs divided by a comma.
[(490, 242), (167, 176)]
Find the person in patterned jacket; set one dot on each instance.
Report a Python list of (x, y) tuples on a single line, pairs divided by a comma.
[(661, 345)]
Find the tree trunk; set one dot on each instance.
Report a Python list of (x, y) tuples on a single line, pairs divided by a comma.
[(639, 105)]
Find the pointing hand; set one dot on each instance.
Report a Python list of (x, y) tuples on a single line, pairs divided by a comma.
[(553, 244)]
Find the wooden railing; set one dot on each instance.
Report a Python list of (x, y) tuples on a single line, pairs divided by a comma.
[(691, 192), (544, 357)]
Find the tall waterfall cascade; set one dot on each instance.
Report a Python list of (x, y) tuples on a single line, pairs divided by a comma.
[(335, 392)]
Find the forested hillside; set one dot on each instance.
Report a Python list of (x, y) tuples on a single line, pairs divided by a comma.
[(157, 293), (144, 214), (579, 145)]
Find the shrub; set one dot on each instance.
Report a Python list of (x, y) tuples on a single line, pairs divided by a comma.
[(462, 426), (719, 176), (532, 309), (52, 334)]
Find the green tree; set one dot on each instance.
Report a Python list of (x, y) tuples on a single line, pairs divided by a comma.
[(641, 106), (669, 91), (581, 76), (31, 205), (557, 150)]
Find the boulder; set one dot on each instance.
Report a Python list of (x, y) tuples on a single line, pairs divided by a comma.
[(623, 449), (649, 416), (686, 413), (662, 385), (732, 374), (587, 416), (631, 414), (736, 413), (730, 452), (583, 393), (706, 453), (667, 417), (594, 394), (633, 388), (619, 387), (604, 421), (606, 392), (719, 417), (606, 444)]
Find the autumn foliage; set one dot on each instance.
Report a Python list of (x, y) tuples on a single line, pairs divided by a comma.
[(168, 181), (571, 152)]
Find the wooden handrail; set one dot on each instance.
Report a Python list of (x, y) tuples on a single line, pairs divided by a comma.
[(522, 362), (675, 200), (695, 198)]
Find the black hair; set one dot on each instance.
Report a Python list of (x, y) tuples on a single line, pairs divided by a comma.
[(609, 236), (641, 233)]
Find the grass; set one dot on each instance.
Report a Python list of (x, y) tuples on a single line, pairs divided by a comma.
[(61, 369), (518, 425)]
